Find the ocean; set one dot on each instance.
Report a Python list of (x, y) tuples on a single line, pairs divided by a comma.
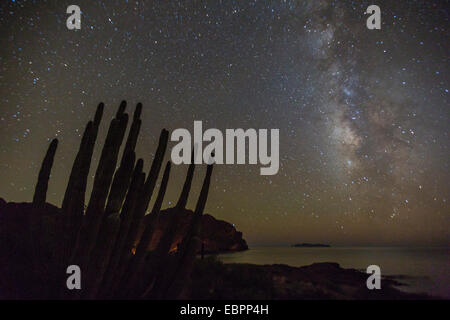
[(424, 270)]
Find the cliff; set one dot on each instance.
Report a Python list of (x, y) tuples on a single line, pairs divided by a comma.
[(217, 235)]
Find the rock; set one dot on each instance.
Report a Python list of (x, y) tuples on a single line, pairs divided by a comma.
[(215, 280), (217, 235), (2, 203), (310, 245)]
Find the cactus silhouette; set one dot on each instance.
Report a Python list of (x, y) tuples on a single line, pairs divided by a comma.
[(40, 192), (104, 239)]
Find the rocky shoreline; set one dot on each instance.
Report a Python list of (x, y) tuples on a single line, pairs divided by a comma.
[(213, 279), (218, 236)]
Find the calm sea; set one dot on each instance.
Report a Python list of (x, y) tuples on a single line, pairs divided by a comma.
[(426, 269)]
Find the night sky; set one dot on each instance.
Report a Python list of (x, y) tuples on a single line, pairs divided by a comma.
[(363, 114)]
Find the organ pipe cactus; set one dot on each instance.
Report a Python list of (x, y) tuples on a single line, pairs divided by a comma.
[(104, 239), (40, 192)]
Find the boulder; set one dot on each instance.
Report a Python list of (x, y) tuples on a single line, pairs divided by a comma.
[(217, 235)]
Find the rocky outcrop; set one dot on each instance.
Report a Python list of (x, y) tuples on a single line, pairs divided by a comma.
[(215, 280), (216, 235)]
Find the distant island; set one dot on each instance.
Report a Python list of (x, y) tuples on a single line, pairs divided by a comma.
[(311, 245)]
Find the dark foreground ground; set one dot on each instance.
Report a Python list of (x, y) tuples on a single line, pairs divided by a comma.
[(210, 279), (213, 279)]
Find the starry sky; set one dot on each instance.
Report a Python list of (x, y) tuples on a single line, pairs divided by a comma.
[(363, 114)]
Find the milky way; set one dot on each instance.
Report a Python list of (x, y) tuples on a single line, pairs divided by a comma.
[(363, 114)]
